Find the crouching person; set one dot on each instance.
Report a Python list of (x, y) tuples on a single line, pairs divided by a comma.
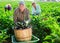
[(36, 10), (7, 7), (21, 14), (21, 17)]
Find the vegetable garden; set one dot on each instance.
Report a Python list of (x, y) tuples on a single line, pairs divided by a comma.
[(46, 26)]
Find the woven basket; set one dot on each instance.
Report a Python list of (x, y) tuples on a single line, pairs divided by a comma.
[(23, 34)]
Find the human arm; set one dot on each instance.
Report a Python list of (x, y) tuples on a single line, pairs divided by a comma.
[(15, 17), (27, 17), (33, 10), (38, 10)]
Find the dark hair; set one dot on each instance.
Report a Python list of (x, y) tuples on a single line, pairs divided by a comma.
[(33, 3)]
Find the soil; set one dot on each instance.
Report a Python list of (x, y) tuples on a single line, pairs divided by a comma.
[(8, 40)]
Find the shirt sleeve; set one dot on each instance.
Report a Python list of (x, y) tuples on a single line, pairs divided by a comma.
[(38, 9), (28, 16), (15, 16), (33, 11)]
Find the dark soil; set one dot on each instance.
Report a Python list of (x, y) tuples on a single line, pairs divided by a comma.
[(8, 40)]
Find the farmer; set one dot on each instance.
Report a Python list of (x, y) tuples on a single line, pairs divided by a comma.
[(36, 10), (7, 7), (21, 13)]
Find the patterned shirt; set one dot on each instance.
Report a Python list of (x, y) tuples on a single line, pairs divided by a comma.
[(21, 16)]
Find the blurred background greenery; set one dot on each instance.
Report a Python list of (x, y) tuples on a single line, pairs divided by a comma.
[(46, 26)]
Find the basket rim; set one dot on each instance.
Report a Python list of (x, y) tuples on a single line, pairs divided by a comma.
[(37, 39)]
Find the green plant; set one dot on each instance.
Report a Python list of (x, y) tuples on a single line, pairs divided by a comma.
[(46, 25), (22, 25), (3, 35)]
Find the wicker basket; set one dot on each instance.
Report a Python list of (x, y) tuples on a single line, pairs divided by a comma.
[(23, 35)]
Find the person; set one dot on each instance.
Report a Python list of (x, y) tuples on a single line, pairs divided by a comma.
[(36, 10), (8, 7), (21, 14)]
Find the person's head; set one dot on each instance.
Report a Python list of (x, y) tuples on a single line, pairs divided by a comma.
[(33, 4), (9, 4), (21, 5)]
